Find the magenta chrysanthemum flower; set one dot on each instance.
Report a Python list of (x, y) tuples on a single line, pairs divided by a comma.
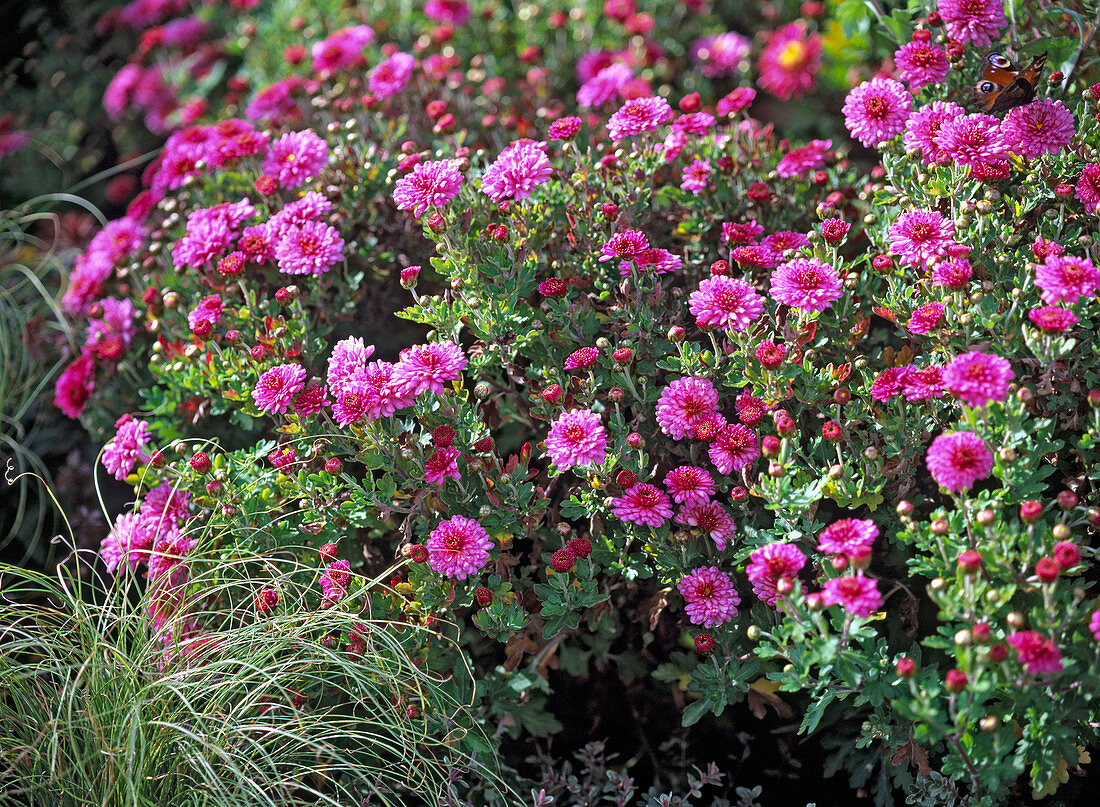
[(168, 558), (643, 504), (334, 582), (734, 449), (519, 169), (390, 76), (209, 309), (741, 232), (921, 63), (349, 356), (459, 547), (1041, 127), (920, 236), (926, 318), (750, 409), (957, 460), (975, 22), (1065, 279), (785, 240), (443, 463), (923, 126), (380, 396), (689, 485), (428, 367), (210, 231), (1052, 319), (923, 384), (847, 536), (953, 275), (126, 544), (123, 451), (638, 115), (754, 255), (856, 594), (725, 302), (626, 244), (430, 184), (888, 383), (295, 158), (877, 110), (564, 128), (114, 330), (736, 100), (604, 86), (800, 161), (769, 564), (1094, 625), (582, 358), (720, 54), (1087, 188), (790, 60), (311, 400), (806, 284), (341, 49), (1038, 653), (709, 517), (978, 378), (275, 390), (972, 140), (452, 12), (695, 176), (658, 261), (577, 437), (709, 596), (163, 507), (683, 404), (309, 248)]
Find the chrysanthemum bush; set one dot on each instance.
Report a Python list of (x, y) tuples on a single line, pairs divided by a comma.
[(773, 428)]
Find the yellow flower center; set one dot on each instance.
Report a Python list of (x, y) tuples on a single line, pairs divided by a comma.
[(792, 55)]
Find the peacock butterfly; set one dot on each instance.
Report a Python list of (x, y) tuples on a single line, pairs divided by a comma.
[(1003, 87)]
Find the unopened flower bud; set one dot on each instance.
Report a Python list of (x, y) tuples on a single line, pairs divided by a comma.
[(905, 667), (635, 440), (955, 680), (201, 463), (704, 643), (1047, 570), (970, 561)]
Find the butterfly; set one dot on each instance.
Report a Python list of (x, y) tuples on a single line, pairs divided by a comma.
[(1003, 86)]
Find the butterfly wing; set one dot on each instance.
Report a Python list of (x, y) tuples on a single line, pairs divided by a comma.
[(1002, 87)]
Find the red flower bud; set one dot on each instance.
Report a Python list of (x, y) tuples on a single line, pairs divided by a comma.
[(562, 560), (704, 643), (580, 547), (906, 667), (201, 463), (956, 680)]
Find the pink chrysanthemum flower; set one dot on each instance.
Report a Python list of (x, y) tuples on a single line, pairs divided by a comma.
[(353, 402), (741, 233), (957, 460), (978, 378), (168, 558), (695, 176), (659, 261), (720, 54), (349, 356), (847, 536), (1094, 625), (126, 544), (643, 504), (769, 564), (1066, 279), (888, 383), (310, 248), (709, 596), (452, 12), (1043, 249), (626, 244), (923, 126), (754, 255), (275, 390), (334, 582), (459, 547), (381, 397), (341, 49), (209, 309), (709, 517), (519, 169), (443, 463), (750, 409), (564, 128), (428, 367), (926, 319), (390, 76), (1039, 654), (973, 140), (311, 400), (790, 60), (806, 284), (124, 450), (784, 241), (857, 594), (734, 449), (923, 384), (604, 86), (877, 110), (921, 63), (801, 161), (210, 231), (577, 437), (1041, 127), (953, 275), (581, 358), (114, 328), (1087, 188), (696, 123), (429, 184), (638, 115), (689, 485), (725, 302), (734, 101), (683, 404), (975, 22), (296, 158), (1052, 319), (921, 236)]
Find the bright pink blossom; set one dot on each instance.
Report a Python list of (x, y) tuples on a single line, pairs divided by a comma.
[(459, 547), (709, 596)]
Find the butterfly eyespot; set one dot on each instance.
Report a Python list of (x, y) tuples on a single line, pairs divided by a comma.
[(997, 60), (986, 86)]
